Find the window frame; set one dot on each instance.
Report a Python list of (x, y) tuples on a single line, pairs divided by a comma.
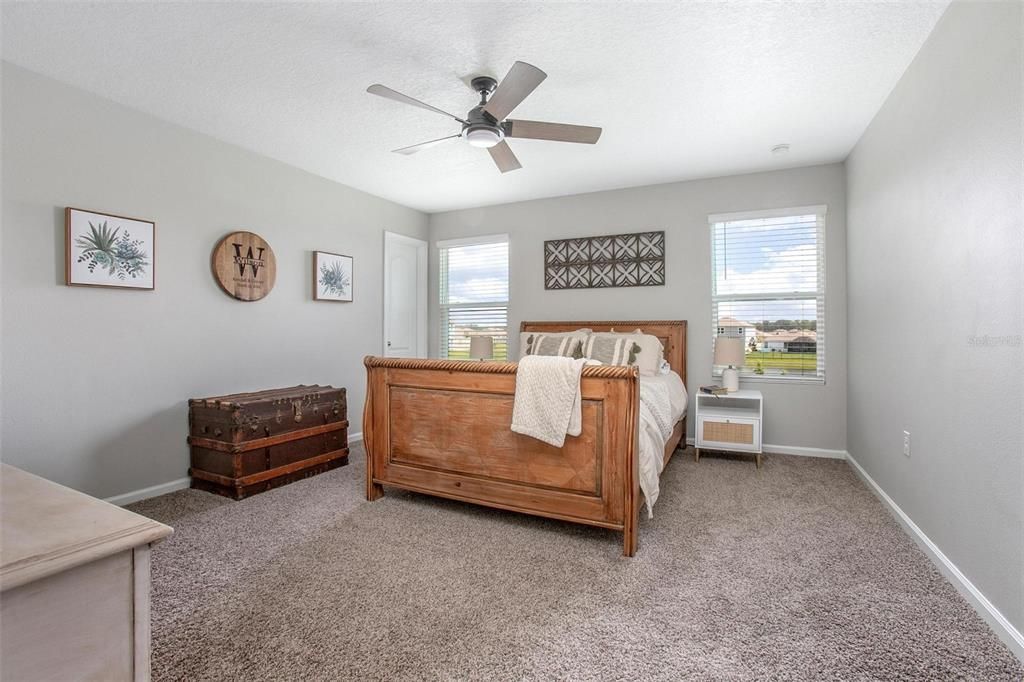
[(482, 240), (821, 211)]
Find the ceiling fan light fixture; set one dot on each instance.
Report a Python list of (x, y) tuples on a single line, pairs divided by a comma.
[(483, 137)]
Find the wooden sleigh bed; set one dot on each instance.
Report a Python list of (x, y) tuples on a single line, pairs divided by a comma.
[(441, 427)]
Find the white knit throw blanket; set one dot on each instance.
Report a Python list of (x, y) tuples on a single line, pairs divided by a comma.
[(547, 404)]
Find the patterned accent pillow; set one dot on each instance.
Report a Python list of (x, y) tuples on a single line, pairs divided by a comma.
[(528, 339), (564, 345), (610, 348)]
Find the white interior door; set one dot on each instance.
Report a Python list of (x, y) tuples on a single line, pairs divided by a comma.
[(405, 296)]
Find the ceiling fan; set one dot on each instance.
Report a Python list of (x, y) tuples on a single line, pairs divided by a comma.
[(485, 125)]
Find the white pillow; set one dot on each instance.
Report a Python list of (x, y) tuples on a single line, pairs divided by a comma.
[(654, 345)]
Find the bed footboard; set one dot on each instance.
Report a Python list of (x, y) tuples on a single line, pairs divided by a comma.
[(442, 427)]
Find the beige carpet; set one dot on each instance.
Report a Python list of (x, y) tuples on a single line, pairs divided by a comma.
[(791, 572)]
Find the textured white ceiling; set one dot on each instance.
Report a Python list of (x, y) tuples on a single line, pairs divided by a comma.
[(682, 90)]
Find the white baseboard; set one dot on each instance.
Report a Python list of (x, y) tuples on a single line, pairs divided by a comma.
[(151, 491), (803, 452), (179, 484), (989, 613), (795, 450)]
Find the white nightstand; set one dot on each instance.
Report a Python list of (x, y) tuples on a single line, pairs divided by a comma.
[(730, 422)]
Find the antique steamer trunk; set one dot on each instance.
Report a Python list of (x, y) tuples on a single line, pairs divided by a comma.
[(246, 443)]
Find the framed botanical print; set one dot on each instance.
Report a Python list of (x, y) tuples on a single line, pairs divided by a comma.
[(332, 277), (106, 250)]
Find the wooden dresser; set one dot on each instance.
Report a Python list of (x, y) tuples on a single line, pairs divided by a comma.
[(74, 577)]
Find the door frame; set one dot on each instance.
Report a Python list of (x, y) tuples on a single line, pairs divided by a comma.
[(422, 286)]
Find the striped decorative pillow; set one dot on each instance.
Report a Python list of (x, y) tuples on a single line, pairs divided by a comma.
[(568, 345), (610, 348)]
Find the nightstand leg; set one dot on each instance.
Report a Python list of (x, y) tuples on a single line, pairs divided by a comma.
[(696, 454), (759, 460)]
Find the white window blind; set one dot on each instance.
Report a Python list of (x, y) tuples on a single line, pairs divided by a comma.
[(474, 294), (768, 286)]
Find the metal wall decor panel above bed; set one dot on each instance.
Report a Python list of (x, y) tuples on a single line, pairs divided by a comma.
[(618, 260)]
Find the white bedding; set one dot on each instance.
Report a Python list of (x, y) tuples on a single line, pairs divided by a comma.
[(663, 402)]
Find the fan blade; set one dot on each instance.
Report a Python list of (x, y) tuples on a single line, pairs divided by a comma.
[(556, 132), (423, 145), (385, 91), (519, 82), (503, 157)]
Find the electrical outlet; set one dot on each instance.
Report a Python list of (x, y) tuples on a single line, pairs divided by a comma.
[(906, 443)]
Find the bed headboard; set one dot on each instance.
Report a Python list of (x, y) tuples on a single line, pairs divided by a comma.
[(671, 333)]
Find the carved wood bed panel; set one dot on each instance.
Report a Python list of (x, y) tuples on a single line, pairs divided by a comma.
[(441, 427)]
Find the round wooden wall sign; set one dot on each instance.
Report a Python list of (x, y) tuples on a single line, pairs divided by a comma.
[(244, 266)]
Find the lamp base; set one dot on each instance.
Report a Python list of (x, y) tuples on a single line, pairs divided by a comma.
[(730, 380)]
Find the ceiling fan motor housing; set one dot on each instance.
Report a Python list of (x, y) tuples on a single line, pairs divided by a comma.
[(480, 128)]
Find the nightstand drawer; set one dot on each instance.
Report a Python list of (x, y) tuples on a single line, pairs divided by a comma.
[(729, 433)]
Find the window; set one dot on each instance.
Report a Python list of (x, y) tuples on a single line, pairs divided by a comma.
[(474, 294), (768, 287)]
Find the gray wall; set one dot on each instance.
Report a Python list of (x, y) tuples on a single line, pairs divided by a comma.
[(796, 415), (935, 261), (95, 380)]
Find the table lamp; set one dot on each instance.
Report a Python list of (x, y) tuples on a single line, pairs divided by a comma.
[(729, 352), (481, 347)]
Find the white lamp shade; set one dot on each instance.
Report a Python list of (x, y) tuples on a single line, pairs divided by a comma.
[(729, 351), (481, 347)]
